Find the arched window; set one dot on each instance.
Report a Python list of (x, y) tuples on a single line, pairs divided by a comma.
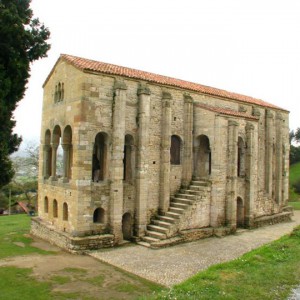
[(127, 226), (55, 209), (240, 213), (202, 157), (99, 215), (59, 92), (241, 158), (99, 159), (62, 91), (47, 155), (65, 212), (56, 161), (175, 150), (67, 152), (46, 205), (128, 161)]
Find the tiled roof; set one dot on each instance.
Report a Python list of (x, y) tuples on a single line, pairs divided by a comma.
[(226, 111), (96, 66)]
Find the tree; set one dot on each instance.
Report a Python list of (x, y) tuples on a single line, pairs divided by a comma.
[(294, 150), (23, 39)]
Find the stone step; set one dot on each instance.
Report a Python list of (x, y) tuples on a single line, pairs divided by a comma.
[(157, 228), (199, 183), (168, 219), (149, 239), (179, 205), (186, 195), (162, 223), (145, 244), (182, 200), (199, 188), (156, 235), (193, 192), (172, 215), (176, 210)]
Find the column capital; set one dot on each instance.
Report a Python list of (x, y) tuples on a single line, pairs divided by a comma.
[(166, 103), (249, 126), (187, 98), (255, 112), (269, 114), (143, 89), (233, 123), (242, 108), (120, 85), (54, 145), (46, 147), (166, 95), (279, 116)]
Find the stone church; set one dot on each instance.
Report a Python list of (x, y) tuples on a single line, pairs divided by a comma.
[(131, 155)]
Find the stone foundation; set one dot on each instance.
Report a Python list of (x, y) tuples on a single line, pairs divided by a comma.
[(273, 219), (67, 242)]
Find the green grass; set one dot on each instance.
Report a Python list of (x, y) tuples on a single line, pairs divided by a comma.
[(269, 272), (16, 283), (61, 279), (295, 205), (294, 177), (97, 280), (13, 236)]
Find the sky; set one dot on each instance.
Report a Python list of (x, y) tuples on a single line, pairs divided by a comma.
[(251, 47)]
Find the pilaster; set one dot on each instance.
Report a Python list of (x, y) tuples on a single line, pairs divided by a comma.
[(142, 159), (269, 152), (187, 167), (117, 155), (250, 176), (165, 153), (231, 199), (279, 158)]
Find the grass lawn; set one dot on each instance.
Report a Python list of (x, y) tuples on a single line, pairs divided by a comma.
[(269, 272), (102, 282), (13, 239)]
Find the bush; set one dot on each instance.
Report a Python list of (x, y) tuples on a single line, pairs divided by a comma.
[(296, 186)]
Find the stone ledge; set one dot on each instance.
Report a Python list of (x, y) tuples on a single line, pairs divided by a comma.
[(67, 242), (273, 219)]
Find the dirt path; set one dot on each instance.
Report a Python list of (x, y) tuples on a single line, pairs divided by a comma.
[(79, 275), (169, 266)]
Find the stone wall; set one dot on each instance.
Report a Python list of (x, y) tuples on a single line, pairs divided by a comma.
[(90, 106), (67, 242)]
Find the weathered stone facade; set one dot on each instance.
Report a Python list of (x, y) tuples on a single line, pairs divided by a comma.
[(151, 158)]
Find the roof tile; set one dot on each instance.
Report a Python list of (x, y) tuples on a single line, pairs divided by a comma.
[(101, 67)]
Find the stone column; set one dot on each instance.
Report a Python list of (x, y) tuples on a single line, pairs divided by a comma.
[(66, 161), (165, 153), (231, 198), (116, 162), (251, 179), (142, 160), (46, 161), (279, 154), (187, 166), (269, 152), (53, 161)]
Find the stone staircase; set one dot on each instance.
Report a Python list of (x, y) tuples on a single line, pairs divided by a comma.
[(166, 226)]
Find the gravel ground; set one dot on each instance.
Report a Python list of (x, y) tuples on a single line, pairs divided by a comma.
[(172, 265)]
